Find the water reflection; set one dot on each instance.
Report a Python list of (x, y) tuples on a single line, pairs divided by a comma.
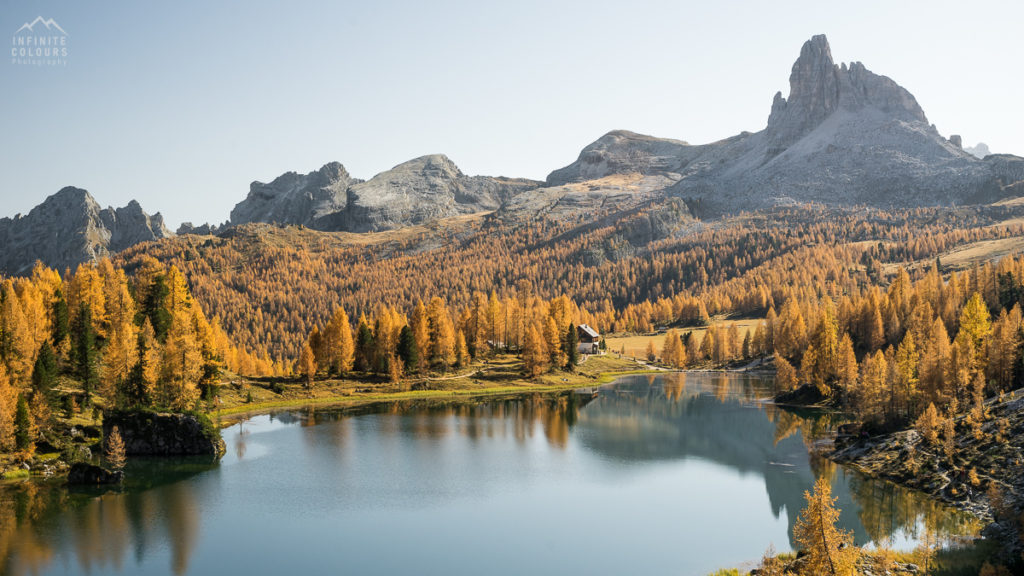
[(721, 419), (432, 468), (521, 417), (102, 531)]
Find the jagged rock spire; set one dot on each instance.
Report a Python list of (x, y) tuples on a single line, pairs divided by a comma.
[(818, 88)]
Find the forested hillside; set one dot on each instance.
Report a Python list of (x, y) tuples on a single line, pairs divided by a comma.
[(270, 286)]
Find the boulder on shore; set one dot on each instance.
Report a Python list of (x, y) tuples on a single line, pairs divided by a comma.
[(83, 474), (147, 433)]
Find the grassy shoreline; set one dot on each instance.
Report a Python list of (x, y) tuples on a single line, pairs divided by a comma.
[(598, 371)]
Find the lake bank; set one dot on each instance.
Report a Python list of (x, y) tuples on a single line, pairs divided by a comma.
[(981, 471), (496, 377)]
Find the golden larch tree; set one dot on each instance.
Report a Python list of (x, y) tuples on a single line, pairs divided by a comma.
[(830, 550), (307, 364), (8, 406), (114, 449), (338, 343), (441, 334), (420, 325), (535, 356), (181, 364)]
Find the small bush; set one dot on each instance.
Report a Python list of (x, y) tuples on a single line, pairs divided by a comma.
[(74, 453), (19, 474)]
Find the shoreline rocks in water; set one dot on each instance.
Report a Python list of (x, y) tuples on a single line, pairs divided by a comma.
[(82, 474), (988, 455), (804, 395), (147, 433), (981, 471)]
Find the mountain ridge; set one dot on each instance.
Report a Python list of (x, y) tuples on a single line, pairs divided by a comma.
[(843, 136), (420, 190)]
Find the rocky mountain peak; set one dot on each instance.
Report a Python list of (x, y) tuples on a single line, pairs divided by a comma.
[(818, 88), (622, 151), (844, 135), (431, 165), (69, 228), (295, 198), (69, 195), (813, 96), (979, 151)]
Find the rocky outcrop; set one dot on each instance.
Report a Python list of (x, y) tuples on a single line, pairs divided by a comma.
[(624, 152), (843, 136), (415, 192), (82, 474), (148, 433), (202, 229), (70, 228), (294, 198), (992, 452)]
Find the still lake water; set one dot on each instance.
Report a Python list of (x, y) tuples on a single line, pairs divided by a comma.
[(668, 474)]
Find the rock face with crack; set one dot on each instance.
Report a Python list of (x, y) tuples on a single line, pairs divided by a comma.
[(844, 136), (70, 228), (415, 192)]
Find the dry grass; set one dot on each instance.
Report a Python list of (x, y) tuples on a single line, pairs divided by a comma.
[(635, 345), (500, 375), (316, 241), (964, 256), (1018, 201)]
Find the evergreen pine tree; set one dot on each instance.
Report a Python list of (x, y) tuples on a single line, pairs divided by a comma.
[(85, 351), (572, 349), (154, 307), (44, 373), (364, 347), (408, 350), (23, 427)]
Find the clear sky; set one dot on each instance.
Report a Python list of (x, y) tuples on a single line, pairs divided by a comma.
[(182, 104)]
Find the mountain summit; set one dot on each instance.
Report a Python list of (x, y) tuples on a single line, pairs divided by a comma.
[(818, 88), (845, 135), (70, 228)]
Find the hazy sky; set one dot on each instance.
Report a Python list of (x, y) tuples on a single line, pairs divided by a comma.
[(182, 104)]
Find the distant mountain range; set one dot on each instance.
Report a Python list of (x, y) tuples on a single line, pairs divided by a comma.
[(415, 192), (843, 136)]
